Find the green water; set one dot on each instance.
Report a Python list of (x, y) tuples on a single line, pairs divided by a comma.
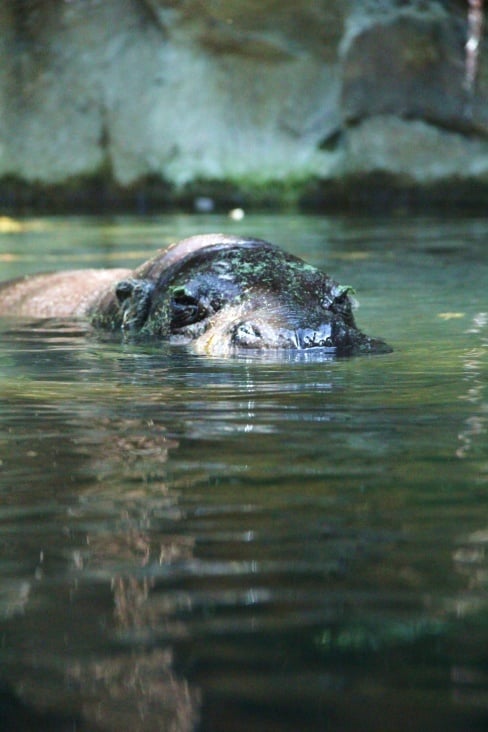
[(250, 544)]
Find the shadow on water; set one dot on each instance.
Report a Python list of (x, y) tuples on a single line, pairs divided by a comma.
[(200, 544)]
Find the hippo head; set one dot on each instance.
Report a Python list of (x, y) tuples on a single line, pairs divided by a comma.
[(224, 294)]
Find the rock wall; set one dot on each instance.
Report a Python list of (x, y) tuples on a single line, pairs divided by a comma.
[(319, 98)]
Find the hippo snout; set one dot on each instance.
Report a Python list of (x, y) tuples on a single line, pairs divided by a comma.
[(335, 336), (249, 334)]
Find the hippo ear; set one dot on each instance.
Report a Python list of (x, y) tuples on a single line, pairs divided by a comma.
[(134, 297), (343, 303)]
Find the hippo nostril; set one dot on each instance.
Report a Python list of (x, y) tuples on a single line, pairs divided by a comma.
[(247, 329), (306, 338), (315, 338), (246, 334)]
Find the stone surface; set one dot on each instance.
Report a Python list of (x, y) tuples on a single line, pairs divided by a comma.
[(167, 97)]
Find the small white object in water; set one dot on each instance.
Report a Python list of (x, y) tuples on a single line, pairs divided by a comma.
[(236, 214), (8, 225), (450, 316)]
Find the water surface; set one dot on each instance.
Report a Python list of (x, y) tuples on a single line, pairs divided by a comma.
[(208, 544)]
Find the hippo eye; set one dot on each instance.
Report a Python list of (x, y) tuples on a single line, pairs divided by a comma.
[(186, 309), (223, 269)]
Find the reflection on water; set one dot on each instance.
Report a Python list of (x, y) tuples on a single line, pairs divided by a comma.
[(473, 362), (191, 543)]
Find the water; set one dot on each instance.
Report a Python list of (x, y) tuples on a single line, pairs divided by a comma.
[(190, 543)]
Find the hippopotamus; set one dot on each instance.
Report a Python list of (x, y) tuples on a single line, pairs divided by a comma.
[(220, 293)]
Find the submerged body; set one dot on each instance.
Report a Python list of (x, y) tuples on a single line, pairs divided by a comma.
[(220, 293)]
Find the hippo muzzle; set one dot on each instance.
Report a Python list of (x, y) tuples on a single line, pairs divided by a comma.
[(235, 331), (330, 335)]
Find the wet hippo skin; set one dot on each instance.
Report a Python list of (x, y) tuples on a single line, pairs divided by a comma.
[(220, 293)]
